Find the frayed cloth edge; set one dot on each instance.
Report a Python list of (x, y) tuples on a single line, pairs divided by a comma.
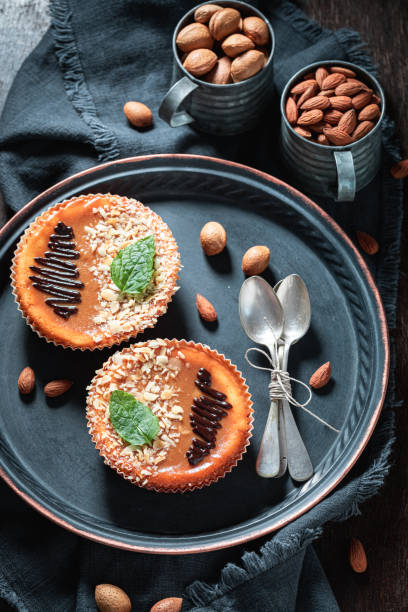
[(372, 480), (102, 138), (8, 594), (310, 28), (253, 564)]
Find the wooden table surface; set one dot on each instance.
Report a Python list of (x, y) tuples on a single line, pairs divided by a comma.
[(383, 525)]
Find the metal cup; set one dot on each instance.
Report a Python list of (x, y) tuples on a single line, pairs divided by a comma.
[(335, 172), (218, 109)]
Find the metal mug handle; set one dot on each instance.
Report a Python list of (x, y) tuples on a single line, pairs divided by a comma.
[(172, 101), (346, 176)]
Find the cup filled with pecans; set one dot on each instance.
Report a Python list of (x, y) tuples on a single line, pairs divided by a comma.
[(222, 68), (331, 128)]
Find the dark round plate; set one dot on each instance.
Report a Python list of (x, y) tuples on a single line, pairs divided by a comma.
[(46, 454)]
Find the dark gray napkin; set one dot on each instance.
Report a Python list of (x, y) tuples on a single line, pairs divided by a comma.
[(64, 114)]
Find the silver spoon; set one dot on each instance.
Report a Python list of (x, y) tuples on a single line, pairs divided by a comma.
[(294, 298), (262, 320), (283, 447)]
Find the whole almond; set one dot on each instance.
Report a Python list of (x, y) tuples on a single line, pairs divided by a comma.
[(400, 170), (224, 22), (302, 132), (317, 128), (194, 36), (308, 76), (246, 65), (302, 86), (213, 238), (320, 102), (357, 556), (341, 70), (349, 89), (26, 381), (341, 103), (362, 129), (57, 387), (327, 92), (362, 85), (369, 113), (348, 121), (257, 30), (138, 114), (376, 99), (200, 61), (255, 260), (306, 95), (332, 116), (204, 13), (235, 44), (321, 139), (205, 309), (291, 110), (170, 604), (367, 243), (321, 377), (337, 137), (320, 75), (110, 598), (362, 99), (221, 73), (333, 80), (310, 117)]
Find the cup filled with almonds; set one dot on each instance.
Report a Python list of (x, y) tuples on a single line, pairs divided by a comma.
[(331, 128), (222, 70)]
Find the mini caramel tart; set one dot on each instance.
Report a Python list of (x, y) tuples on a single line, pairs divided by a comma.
[(61, 271), (203, 409)]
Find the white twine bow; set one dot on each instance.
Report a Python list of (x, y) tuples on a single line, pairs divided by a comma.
[(280, 386)]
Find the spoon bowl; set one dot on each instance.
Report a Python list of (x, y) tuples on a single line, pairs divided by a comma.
[(278, 284), (260, 311), (294, 299), (262, 319)]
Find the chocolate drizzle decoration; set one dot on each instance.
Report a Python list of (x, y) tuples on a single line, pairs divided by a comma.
[(205, 417), (55, 273)]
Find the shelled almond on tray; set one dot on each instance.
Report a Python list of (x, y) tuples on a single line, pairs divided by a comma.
[(221, 46), (333, 107)]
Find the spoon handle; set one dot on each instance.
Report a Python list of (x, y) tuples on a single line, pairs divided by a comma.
[(299, 464), (283, 447), (268, 460)]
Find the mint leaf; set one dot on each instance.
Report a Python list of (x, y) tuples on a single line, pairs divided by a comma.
[(132, 268), (131, 419)]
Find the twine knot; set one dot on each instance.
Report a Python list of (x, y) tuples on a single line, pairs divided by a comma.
[(280, 387)]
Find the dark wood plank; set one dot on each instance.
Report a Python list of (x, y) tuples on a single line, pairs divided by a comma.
[(383, 525)]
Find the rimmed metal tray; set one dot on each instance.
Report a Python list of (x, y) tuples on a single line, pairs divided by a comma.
[(46, 454)]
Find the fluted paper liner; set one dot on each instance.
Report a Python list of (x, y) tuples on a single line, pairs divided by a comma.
[(108, 341), (109, 449)]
